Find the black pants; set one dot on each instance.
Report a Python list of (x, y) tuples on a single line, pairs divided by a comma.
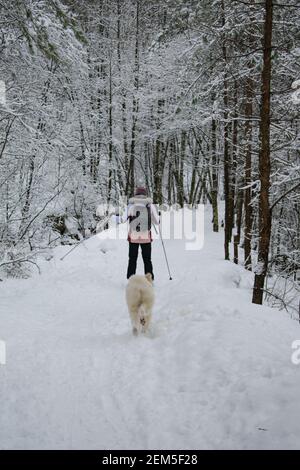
[(133, 255)]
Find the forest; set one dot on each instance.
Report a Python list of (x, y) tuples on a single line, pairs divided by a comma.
[(196, 100)]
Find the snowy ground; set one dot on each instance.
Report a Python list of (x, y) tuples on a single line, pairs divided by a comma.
[(215, 373)]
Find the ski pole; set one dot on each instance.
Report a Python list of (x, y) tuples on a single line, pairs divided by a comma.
[(163, 245), (103, 223), (73, 248)]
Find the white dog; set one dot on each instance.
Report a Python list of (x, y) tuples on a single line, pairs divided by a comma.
[(140, 300)]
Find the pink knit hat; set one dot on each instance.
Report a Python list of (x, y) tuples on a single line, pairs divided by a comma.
[(140, 191)]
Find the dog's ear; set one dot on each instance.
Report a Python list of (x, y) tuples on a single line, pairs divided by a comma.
[(148, 276)]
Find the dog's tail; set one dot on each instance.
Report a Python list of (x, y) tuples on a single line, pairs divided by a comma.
[(142, 315)]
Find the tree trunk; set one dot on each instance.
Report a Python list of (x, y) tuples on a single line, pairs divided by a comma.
[(123, 95), (214, 177), (228, 224), (248, 176), (110, 144), (234, 162), (237, 236), (264, 162), (181, 169), (135, 107)]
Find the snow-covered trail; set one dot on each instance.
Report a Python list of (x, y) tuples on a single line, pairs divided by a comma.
[(216, 371)]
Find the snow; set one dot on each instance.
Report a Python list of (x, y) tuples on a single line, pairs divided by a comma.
[(296, 84), (296, 93), (214, 373)]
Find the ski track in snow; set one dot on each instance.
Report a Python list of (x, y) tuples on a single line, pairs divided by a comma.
[(215, 371)]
